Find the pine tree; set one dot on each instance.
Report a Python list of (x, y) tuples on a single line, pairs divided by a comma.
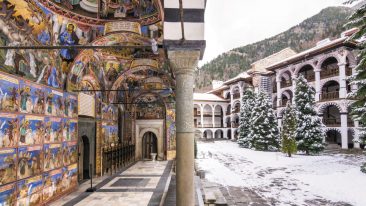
[(309, 131), (245, 112), (288, 133), (263, 128), (358, 108)]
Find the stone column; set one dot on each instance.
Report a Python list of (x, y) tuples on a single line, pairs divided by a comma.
[(202, 108), (356, 136), (241, 88), (344, 131), (213, 116), (183, 63), (342, 81), (354, 87), (317, 85), (279, 97)]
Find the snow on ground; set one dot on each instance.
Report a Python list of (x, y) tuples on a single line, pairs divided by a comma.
[(297, 180)]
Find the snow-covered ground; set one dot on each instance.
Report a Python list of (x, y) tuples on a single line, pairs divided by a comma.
[(290, 181)]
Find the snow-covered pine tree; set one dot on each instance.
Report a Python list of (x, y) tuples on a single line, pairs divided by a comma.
[(309, 131), (244, 119), (263, 128), (288, 133), (357, 19)]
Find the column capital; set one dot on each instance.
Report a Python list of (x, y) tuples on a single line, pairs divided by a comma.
[(183, 61)]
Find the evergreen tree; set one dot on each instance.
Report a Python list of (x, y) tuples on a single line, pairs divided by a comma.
[(358, 108), (263, 129), (309, 131), (288, 133), (244, 120)]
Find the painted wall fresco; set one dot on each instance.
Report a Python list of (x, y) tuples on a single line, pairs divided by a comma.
[(38, 148), (171, 129)]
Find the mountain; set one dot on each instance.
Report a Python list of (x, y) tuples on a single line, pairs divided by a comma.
[(326, 24)]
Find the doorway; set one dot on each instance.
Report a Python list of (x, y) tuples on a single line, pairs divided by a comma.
[(149, 145), (86, 154)]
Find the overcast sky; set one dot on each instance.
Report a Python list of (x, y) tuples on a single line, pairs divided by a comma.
[(234, 23)]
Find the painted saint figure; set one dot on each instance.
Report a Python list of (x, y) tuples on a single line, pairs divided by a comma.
[(68, 38)]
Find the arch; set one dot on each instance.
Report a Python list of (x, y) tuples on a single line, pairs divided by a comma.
[(207, 110), (333, 136), (149, 144), (329, 68), (307, 71), (235, 89), (351, 135), (228, 134), (333, 79), (286, 70), (208, 134), (330, 90), (227, 95), (327, 57), (228, 121), (228, 109), (322, 107), (236, 108), (219, 113), (219, 134), (332, 116), (236, 134)]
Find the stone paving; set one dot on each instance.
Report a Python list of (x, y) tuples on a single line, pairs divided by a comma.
[(143, 184)]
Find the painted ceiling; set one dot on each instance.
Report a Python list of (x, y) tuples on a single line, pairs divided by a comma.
[(81, 22)]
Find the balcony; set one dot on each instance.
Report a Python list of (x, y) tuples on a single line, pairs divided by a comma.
[(285, 84), (234, 125), (197, 113), (283, 103), (236, 110), (228, 112), (310, 77), (349, 71), (332, 122), (329, 96), (236, 96), (350, 123), (330, 72)]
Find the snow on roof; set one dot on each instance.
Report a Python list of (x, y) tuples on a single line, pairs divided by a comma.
[(207, 97), (241, 76), (308, 52), (261, 65)]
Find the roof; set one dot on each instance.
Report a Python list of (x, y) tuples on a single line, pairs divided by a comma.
[(261, 65), (223, 87), (241, 76), (207, 97), (312, 52)]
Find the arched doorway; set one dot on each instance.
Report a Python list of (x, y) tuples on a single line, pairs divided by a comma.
[(333, 137), (149, 145), (86, 156)]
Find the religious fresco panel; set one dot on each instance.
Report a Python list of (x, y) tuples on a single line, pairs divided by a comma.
[(71, 105), (30, 191), (52, 156), (70, 153), (30, 161), (9, 132), (31, 130), (52, 184), (8, 194), (8, 161), (9, 93), (32, 98)]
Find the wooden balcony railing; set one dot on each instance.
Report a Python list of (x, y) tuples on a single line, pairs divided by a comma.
[(310, 77), (285, 84), (234, 125), (330, 72), (329, 96), (283, 103), (350, 123), (236, 96), (332, 122), (236, 110)]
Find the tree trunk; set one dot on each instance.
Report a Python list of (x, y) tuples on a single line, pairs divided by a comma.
[(289, 154)]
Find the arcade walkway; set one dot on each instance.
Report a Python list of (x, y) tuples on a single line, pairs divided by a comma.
[(143, 184)]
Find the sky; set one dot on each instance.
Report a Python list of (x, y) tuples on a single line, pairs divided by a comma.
[(234, 23)]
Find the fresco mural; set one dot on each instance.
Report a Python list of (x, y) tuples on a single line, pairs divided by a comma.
[(9, 96), (8, 158), (70, 153), (71, 105), (30, 191), (70, 177), (8, 194), (29, 161), (52, 156), (8, 130), (171, 129), (110, 133), (149, 107), (73, 130), (32, 98), (52, 184), (31, 130), (56, 132)]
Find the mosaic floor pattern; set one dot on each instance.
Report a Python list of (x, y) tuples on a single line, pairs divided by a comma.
[(142, 184)]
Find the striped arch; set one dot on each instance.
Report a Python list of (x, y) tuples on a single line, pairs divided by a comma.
[(323, 58), (325, 105), (302, 65), (289, 69), (287, 93), (327, 129), (324, 81)]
